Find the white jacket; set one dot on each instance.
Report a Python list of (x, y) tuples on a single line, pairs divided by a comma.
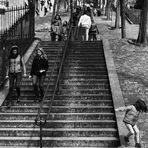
[(85, 21)]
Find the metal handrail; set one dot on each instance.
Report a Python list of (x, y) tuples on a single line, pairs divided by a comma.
[(59, 74), (46, 90), (39, 121)]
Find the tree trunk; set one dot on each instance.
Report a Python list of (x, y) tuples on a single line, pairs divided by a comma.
[(108, 9), (54, 9), (65, 5), (143, 29), (117, 21), (71, 7), (123, 31), (58, 6)]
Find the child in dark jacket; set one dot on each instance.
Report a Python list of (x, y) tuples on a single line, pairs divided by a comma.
[(131, 119), (38, 73)]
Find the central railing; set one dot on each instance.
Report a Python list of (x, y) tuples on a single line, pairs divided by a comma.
[(40, 120)]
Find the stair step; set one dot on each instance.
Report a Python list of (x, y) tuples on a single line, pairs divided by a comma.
[(82, 113), (70, 86), (84, 97), (63, 95), (51, 147), (58, 132), (60, 123), (69, 102), (60, 141), (62, 109), (58, 116), (73, 81)]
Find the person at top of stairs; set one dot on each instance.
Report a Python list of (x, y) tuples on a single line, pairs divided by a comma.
[(131, 119), (14, 72), (56, 28), (93, 31), (84, 24), (38, 73)]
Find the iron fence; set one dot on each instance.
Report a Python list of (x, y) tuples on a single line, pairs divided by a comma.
[(17, 27), (4, 3)]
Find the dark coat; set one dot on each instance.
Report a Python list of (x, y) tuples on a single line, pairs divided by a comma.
[(39, 63)]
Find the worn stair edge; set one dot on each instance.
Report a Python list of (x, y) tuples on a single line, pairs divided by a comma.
[(61, 107), (48, 147), (62, 138), (59, 129), (30, 114), (59, 121), (117, 96)]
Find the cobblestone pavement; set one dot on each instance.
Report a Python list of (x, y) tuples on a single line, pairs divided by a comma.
[(131, 66)]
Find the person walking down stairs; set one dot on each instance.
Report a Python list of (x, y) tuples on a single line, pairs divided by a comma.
[(14, 72), (38, 73)]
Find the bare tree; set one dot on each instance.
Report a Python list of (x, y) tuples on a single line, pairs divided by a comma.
[(143, 29), (122, 5), (58, 6), (108, 9), (117, 21), (54, 8)]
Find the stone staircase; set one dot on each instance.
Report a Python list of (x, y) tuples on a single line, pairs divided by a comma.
[(82, 114)]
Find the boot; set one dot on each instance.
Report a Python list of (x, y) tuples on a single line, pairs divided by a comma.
[(41, 93), (18, 94), (35, 87), (9, 99)]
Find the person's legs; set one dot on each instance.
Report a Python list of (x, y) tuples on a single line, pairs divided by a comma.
[(94, 37), (86, 34), (131, 131), (82, 33), (35, 86), (56, 37), (18, 82), (11, 86), (137, 135), (41, 86)]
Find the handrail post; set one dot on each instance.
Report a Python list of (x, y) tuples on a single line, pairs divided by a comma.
[(41, 124)]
